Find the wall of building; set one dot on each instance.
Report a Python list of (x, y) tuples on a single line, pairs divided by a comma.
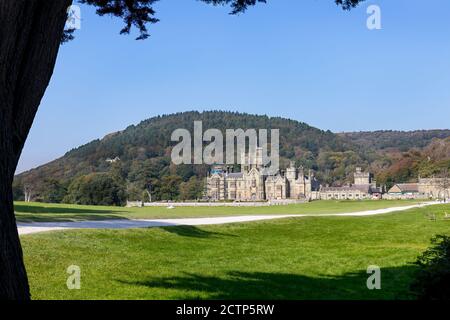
[(344, 195), (404, 196), (213, 204), (437, 188), (252, 185)]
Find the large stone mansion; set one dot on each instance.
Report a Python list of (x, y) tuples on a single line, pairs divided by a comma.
[(251, 184)]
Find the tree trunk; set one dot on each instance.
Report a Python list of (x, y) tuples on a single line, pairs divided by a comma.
[(30, 34)]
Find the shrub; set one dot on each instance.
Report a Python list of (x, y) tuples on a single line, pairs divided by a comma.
[(432, 281), (96, 189)]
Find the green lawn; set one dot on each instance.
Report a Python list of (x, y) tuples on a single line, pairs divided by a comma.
[(26, 212), (304, 258)]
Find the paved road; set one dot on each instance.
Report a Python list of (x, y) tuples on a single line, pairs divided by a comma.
[(35, 227)]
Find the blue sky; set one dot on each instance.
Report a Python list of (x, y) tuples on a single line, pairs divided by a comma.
[(306, 60)]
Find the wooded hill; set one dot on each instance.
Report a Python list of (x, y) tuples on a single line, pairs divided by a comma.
[(93, 173), (397, 140)]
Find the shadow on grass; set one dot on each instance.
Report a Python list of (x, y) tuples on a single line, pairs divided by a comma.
[(25, 218), (42, 213), (192, 231), (263, 285), (46, 209)]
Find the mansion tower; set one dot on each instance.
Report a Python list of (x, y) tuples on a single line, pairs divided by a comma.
[(251, 184)]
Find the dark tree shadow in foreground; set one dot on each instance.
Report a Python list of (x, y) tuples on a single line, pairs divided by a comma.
[(395, 284), (30, 217), (31, 213), (46, 209), (195, 232)]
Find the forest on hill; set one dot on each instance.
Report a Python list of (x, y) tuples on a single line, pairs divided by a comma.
[(397, 140), (135, 163)]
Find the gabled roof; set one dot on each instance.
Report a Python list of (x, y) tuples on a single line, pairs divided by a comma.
[(216, 175), (376, 190), (405, 188), (275, 178), (253, 171)]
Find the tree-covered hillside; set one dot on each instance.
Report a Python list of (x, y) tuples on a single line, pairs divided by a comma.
[(135, 163), (396, 166), (399, 140), (145, 164), (402, 156)]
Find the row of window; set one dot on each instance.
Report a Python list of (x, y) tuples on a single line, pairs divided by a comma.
[(344, 195), (233, 184)]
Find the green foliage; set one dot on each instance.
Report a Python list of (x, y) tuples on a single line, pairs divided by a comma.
[(96, 188), (401, 140), (432, 281), (18, 194), (170, 187), (140, 13), (134, 193), (192, 189), (53, 192), (426, 162), (338, 167), (144, 153)]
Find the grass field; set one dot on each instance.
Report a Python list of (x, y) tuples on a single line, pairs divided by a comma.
[(27, 212), (304, 258)]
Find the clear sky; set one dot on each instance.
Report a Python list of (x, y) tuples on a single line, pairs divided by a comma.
[(306, 60)]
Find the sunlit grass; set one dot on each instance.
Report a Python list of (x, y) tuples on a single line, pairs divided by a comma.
[(66, 212), (298, 258)]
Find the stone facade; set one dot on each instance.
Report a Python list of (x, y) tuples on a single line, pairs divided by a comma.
[(251, 184), (426, 188), (293, 184), (435, 188), (404, 191), (364, 187)]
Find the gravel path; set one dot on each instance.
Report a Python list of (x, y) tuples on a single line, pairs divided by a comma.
[(35, 227)]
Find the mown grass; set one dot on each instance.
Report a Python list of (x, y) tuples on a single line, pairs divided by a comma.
[(298, 258), (26, 212)]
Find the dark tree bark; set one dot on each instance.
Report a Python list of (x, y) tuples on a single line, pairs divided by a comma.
[(30, 35)]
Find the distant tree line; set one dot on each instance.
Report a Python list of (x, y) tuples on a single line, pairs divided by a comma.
[(112, 188), (143, 170)]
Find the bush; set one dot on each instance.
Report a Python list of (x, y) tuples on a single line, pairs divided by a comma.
[(53, 191), (18, 194), (432, 281), (96, 189)]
